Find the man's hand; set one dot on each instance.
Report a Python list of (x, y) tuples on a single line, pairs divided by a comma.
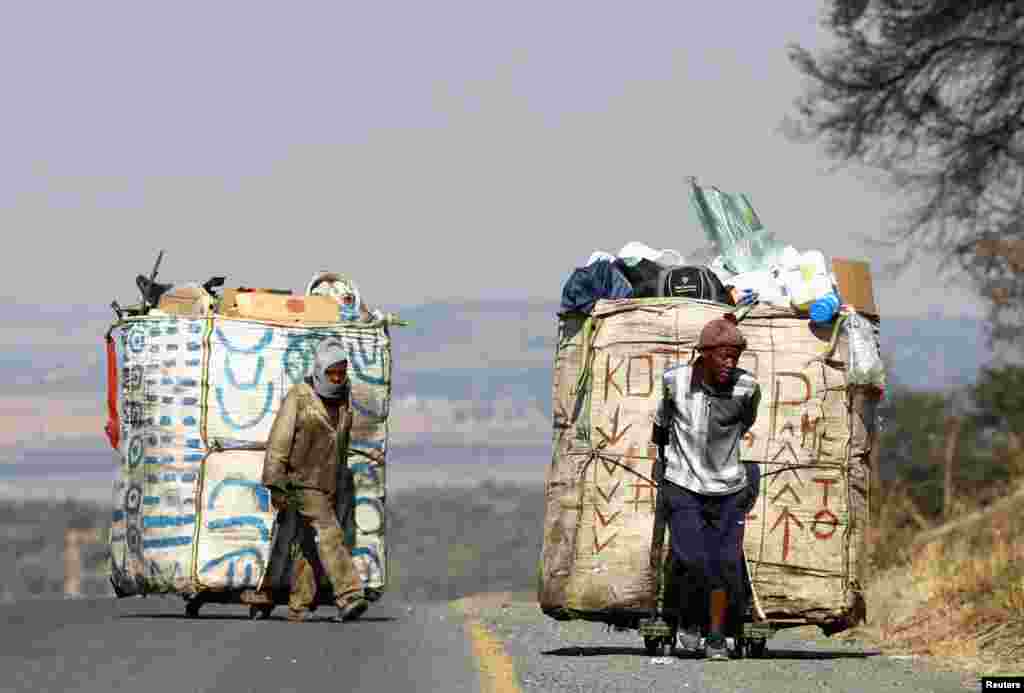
[(278, 500)]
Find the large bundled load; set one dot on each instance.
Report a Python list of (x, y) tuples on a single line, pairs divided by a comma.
[(194, 388), (804, 539)]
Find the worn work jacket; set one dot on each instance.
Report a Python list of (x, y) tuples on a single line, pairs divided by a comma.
[(304, 445)]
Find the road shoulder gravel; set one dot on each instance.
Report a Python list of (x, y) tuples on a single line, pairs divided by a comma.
[(548, 655)]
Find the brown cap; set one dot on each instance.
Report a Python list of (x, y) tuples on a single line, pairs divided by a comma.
[(721, 332)]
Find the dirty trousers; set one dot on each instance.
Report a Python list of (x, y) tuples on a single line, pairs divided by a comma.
[(707, 544), (317, 518)]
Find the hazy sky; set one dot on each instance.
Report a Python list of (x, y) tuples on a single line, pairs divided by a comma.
[(440, 150)]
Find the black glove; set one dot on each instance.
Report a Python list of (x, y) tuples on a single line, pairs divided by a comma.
[(659, 436), (753, 488)]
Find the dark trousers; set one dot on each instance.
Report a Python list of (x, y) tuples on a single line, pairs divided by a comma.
[(707, 551)]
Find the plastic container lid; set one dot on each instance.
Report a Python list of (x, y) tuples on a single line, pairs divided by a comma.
[(825, 308)]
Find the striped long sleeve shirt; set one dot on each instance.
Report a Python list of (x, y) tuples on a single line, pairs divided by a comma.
[(704, 429)]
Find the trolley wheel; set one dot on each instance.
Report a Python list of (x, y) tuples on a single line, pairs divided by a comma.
[(756, 647), (192, 608), (657, 646)]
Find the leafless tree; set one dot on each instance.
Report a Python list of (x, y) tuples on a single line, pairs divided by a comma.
[(932, 93)]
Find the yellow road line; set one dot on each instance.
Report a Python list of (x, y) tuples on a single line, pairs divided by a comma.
[(497, 672)]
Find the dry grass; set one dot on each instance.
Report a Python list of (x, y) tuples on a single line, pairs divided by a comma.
[(444, 543), (32, 548), (958, 598)]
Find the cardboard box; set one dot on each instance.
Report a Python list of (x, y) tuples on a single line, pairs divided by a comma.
[(263, 305), (192, 301), (853, 279)]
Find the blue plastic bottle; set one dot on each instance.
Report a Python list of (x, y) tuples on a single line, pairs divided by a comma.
[(825, 308)]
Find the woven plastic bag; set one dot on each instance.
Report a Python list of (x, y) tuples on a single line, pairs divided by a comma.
[(733, 227)]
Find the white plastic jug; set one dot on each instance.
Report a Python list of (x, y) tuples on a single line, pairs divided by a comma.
[(808, 280)]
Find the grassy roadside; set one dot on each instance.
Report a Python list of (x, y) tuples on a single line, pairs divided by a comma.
[(32, 548), (953, 593), (956, 600), (444, 542)]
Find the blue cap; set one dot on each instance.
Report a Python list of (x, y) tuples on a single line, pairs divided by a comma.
[(825, 308)]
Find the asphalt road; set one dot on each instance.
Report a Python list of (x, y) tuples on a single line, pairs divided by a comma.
[(497, 643), (147, 644)]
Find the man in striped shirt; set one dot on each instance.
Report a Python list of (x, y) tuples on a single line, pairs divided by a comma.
[(706, 409)]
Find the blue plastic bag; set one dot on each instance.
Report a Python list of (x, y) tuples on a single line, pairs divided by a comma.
[(587, 285)]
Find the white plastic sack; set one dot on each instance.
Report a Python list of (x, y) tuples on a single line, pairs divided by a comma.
[(634, 251), (765, 284), (599, 255), (807, 279)]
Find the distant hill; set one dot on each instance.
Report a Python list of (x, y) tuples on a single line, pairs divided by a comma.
[(480, 350), (467, 373), (934, 353), (503, 349)]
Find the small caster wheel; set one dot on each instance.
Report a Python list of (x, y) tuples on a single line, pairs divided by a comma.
[(756, 647), (192, 608), (657, 646), (259, 613)]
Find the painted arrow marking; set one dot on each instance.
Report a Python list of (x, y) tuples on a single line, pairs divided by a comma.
[(608, 498), (598, 546), (785, 488), (606, 521), (796, 461), (616, 435), (788, 517)]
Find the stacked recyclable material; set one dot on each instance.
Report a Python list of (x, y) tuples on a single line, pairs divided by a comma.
[(194, 405), (812, 334), (812, 440)]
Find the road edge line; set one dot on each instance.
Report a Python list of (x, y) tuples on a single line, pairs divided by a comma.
[(495, 666)]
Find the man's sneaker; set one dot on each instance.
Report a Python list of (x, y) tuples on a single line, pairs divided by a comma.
[(717, 647), (299, 615), (352, 610), (688, 643)]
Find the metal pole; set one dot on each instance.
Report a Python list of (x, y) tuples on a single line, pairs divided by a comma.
[(73, 540), (72, 564)]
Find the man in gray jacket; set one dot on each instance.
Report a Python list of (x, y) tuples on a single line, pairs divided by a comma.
[(706, 409)]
